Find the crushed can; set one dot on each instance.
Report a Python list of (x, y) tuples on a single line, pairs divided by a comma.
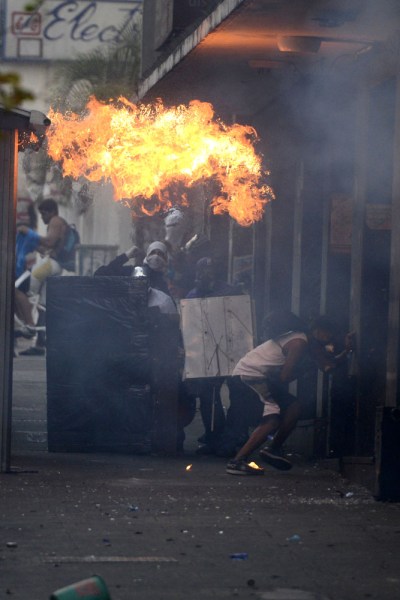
[(93, 588)]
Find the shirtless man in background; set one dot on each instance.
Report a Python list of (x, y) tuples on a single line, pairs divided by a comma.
[(50, 247)]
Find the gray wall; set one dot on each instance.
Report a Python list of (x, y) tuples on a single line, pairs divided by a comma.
[(157, 26)]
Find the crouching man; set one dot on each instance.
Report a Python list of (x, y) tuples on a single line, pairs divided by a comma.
[(267, 369)]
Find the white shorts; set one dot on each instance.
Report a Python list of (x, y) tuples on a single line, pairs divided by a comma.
[(44, 268), (260, 386)]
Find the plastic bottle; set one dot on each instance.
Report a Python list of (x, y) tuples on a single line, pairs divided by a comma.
[(93, 588)]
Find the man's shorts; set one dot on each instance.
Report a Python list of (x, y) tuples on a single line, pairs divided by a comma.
[(44, 268), (272, 394)]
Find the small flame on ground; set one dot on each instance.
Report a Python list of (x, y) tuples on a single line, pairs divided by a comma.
[(254, 465), (189, 468), (148, 151)]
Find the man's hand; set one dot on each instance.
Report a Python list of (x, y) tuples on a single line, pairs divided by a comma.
[(323, 356), (134, 251)]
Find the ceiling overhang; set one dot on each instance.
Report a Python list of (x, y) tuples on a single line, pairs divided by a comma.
[(266, 35), (190, 41)]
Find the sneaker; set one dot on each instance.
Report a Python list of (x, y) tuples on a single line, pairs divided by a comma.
[(275, 458), (33, 351), (25, 331), (241, 467)]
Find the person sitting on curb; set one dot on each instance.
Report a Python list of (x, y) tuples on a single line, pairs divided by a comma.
[(267, 369)]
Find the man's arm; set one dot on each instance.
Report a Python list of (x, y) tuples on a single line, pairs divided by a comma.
[(326, 358), (55, 232), (349, 345), (116, 266), (294, 350)]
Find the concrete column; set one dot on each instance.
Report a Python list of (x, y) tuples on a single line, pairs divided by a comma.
[(8, 201), (358, 225), (322, 379), (392, 360), (267, 256)]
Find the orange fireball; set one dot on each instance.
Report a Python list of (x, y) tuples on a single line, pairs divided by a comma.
[(145, 149)]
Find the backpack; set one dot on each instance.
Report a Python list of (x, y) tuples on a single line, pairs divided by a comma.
[(66, 256)]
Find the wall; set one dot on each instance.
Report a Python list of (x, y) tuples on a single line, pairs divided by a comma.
[(32, 45), (157, 26)]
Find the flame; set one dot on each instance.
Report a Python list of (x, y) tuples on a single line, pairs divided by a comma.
[(255, 466), (28, 139), (147, 150), (189, 468)]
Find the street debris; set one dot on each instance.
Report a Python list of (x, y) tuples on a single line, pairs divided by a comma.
[(94, 587), (294, 538), (239, 556)]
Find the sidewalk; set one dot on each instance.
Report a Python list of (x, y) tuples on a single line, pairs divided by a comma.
[(154, 530)]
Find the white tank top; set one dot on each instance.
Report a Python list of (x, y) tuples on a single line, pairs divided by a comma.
[(269, 354)]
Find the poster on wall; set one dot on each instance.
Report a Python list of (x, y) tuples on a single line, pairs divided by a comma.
[(340, 224), (63, 29)]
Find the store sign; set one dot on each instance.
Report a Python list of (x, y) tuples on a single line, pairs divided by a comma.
[(61, 29)]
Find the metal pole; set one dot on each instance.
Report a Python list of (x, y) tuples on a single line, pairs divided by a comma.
[(297, 249), (358, 221), (212, 424), (268, 252), (322, 396), (297, 240), (392, 359), (8, 201), (230, 251), (325, 247), (231, 248)]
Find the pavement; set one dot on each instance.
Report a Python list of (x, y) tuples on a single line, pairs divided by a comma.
[(154, 530)]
